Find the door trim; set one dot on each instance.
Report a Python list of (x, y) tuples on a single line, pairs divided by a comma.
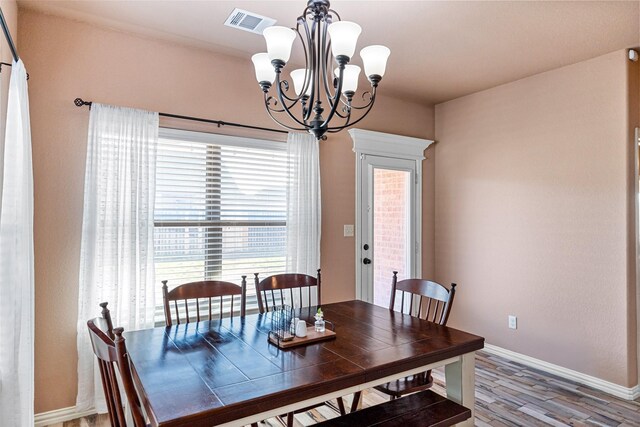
[(366, 142)]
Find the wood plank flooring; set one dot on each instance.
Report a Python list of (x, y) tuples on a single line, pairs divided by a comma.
[(507, 394)]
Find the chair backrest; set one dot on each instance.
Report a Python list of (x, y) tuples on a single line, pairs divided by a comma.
[(426, 299), (205, 292), (272, 291), (112, 355)]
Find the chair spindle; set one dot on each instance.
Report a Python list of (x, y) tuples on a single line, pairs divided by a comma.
[(205, 290)]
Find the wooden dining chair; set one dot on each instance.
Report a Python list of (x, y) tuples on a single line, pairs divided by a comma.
[(110, 349), (297, 291), (426, 300), (273, 291), (206, 292)]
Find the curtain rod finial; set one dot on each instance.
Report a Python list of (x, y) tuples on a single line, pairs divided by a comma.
[(80, 102)]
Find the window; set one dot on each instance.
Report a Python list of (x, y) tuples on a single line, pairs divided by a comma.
[(220, 209)]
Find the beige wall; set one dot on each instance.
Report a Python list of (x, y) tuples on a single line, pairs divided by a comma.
[(536, 177), (66, 60)]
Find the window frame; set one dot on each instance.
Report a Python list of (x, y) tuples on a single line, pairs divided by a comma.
[(212, 248)]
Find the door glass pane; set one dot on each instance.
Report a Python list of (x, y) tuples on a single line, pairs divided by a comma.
[(391, 247)]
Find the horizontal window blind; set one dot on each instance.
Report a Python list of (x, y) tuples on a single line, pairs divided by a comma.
[(220, 211)]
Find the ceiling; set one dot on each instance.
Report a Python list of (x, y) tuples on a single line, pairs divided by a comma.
[(439, 50)]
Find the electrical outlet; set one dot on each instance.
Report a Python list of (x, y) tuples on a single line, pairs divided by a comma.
[(348, 230), (513, 322)]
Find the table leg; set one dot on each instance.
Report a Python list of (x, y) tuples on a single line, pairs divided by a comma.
[(460, 378)]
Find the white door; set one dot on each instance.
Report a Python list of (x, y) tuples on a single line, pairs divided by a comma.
[(388, 230)]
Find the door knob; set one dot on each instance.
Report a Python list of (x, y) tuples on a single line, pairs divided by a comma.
[(366, 261)]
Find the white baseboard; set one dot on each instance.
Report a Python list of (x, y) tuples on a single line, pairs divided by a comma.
[(627, 393), (60, 415)]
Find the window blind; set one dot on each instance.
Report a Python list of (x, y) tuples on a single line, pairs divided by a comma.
[(220, 210)]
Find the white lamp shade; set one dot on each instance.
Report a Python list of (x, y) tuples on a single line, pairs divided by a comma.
[(264, 70), (298, 81), (279, 42), (350, 77), (374, 59), (344, 36)]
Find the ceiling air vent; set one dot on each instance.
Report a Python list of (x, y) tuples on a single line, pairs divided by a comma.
[(248, 21)]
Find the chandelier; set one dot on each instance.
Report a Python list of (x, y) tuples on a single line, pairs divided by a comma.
[(319, 87)]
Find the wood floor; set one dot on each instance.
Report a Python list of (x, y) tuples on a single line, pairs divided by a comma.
[(507, 394)]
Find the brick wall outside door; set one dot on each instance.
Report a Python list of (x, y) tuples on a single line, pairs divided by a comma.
[(391, 222)]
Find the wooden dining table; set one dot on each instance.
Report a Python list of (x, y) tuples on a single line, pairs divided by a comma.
[(225, 372)]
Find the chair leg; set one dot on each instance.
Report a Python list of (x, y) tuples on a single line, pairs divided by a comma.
[(341, 406), (290, 419), (356, 401)]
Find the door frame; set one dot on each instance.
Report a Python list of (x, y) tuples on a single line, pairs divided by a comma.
[(369, 163), (366, 142)]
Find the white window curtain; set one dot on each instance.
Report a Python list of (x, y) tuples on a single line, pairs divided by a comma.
[(16, 260), (116, 258), (303, 204)]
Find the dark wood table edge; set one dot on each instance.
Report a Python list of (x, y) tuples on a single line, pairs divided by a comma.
[(264, 403), (416, 362)]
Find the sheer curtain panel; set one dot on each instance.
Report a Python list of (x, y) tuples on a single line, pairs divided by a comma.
[(116, 256), (16, 260), (303, 204)]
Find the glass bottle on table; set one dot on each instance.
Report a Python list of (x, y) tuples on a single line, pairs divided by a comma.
[(319, 325)]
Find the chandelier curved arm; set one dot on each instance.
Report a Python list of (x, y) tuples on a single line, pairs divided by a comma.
[(285, 107), (335, 97), (344, 109), (285, 84), (334, 105), (347, 117), (267, 103), (371, 96), (270, 111), (313, 78), (328, 75), (308, 54), (298, 97), (347, 109), (325, 62), (348, 106), (369, 106)]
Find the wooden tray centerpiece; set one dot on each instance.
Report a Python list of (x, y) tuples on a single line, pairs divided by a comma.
[(282, 330), (291, 340)]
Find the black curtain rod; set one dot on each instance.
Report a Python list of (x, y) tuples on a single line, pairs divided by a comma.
[(9, 65), (7, 35), (79, 102)]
